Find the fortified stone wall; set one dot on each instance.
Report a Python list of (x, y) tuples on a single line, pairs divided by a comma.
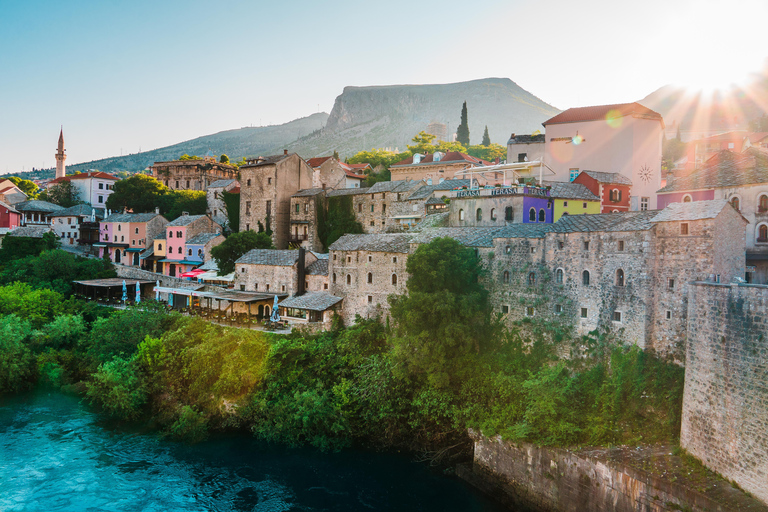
[(725, 403)]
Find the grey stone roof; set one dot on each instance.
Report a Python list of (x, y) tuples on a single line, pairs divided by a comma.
[(436, 220), (523, 231), (346, 192), (696, 210), (626, 221), (203, 238), (221, 183), (525, 139), (30, 231), (270, 257), (726, 169), (570, 191), (609, 177), (434, 200), (160, 236), (131, 217), (185, 220), (471, 237), (148, 252), (428, 190), (36, 205), (79, 210), (373, 242), (264, 160), (209, 265), (395, 186), (308, 192), (321, 255), (318, 268), (312, 301)]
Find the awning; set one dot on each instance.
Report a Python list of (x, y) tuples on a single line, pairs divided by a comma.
[(212, 275), (132, 249), (192, 273), (181, 262), (230, 296)]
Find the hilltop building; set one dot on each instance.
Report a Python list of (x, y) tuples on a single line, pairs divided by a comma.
[(192, 174)]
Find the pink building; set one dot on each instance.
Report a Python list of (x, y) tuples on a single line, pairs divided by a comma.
[(178, 234), (623, 138)]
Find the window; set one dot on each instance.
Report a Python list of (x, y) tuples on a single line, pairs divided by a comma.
[(349, 259), (101, 199), (683, 228), (493, 213), (461, 214), (334, 278), (325, 286), (267, 288), (297, 207), (565, 204), (558, 308), (585, 278), (617, 316), (615, 195), (505, 309), (394, 259), (687, 198), (429, 181), (383, 208), (529, 311), (242, 270), (644, 202), (101, 186), (508, 250), (669, 315), (532, 215), (542, 215), (349, 278), (119, 227), (522, 157), (159, 247), (532, 279), (583, 205), (189, 252), (560, 245), (177, 183), (370, 278), (479, 214), (133, 241), (180, 250), (394, 279), (370, 259), (762, 204), (170, 234), (370, 299), (584, 312), (372, 223), (762, 233), (360, 208), (670, 283), (242, 287), (736, 204), (505, 279), (586, 245), (533, 250), (178, 234), (187, 183), (509, 214), (559, 274), (621, 245), (137, 231), (282, 288), (573, 174), (122, 238), (269, 181), (619, 277), (372, 207)]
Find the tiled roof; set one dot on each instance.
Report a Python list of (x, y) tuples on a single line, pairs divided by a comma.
[(318, 161), (601, 112), (320, 255), (613, 178), (203, 238), (148, 252), (725, 169), (234, 190), (625, 221), (185, 220), (346, 192), (526, 139), (36, 205), (85, 175), (352, 174), (209, 265), (436, 220), (269, 257), (358, 167), (570, 191), (79, 210), (30, 231), (450, 156), (308, 192), (131, 217), (394, 186), (318, 268), (312, 301), (727, 136), (221, 183), (373, 242), (696, 210), (433, 200), (265, 160)]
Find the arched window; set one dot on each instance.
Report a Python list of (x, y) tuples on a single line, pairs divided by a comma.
[(762, 233), (542, 215), (429, 181), (505, 280), (334, 278), (762, 204), (370, 278), (178, 234), (394, 279), (585, 278), (559, 276), (189, 252), (508, 250), (493, 213), (170, 234), (532, 279), (461, 214), (736, 203), (159, 247), (532, 215), (687, 198), (349, 278), (615, 195), (509, 214), (200, 252), (479, 214), (619, 277)]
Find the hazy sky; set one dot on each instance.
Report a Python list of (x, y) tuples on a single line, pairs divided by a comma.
[(128, 75)]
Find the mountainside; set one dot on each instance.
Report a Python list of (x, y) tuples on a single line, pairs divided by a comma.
[(389, 116), (235, 143)]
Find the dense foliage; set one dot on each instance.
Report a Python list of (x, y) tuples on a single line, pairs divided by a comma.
[(142, 194), (63, 194), (232, 205), (237, 244), (22, 247), (335, 219)]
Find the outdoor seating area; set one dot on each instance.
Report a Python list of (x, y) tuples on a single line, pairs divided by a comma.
[(114, 291)]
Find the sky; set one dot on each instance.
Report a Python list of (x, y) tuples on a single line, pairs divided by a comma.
[(124, 76)]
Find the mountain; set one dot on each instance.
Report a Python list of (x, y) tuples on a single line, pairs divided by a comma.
[(235, 143), (389, 116)]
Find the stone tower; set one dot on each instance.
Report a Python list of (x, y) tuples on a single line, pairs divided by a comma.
[(60, 156)]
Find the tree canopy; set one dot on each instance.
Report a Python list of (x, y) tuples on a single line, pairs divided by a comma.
[(140, 193), (63, 194), (27, 186), (235, 246), (232, 205)]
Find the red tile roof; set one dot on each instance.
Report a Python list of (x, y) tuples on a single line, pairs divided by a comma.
[(85, 175), (600, 112), (358, 167), (234, 190), (451, 156), (352, 174), (318, 161)]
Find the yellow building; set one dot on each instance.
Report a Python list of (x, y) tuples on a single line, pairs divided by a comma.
[(572, 199)]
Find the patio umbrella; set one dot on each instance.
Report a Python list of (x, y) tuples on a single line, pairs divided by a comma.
[(138, 292), (125, 291), (275, 314), (157, 292)]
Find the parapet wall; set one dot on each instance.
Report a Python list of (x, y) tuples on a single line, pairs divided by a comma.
[(725, 405)]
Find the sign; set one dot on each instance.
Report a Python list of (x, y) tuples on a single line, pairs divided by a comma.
[(468, 193)]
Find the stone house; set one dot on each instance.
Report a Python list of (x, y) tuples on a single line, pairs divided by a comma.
[(316, 275), (411, 208), (500, 206), (11, 193), (273, 271), (266, 187), (304, 206), (192, 174), (332, 174), (613, 189), (216, 207), (434, 168), (384, 206)]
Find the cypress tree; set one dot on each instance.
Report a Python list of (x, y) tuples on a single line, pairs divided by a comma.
[(486, 137), (462, 132)]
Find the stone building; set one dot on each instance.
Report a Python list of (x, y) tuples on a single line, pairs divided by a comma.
[(500, 206), (330, 173), (273, 271), (435, 167), (266, 187), (304, 207), (216, 207), (525, 148), (36, 212), (192, 174), (382, 207), (317, 274)]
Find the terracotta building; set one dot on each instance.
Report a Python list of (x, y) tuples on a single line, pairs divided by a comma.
[(434, 168)]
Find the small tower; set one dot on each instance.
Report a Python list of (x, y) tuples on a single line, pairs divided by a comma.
[(60, 156)]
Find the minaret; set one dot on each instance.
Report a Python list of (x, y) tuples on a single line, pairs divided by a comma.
[(60, 156)]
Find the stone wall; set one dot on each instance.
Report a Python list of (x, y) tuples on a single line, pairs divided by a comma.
[(266, 278), (725, 404), (304, 218), (550, 479)]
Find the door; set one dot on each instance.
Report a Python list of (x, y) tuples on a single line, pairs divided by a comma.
[(172, 270)]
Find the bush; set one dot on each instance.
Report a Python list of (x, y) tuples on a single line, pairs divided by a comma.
[(17, 364), (119, 388)]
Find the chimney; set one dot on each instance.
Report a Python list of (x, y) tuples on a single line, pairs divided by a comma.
[(184, 214), (301, 271), (285, 151), (157, 210)]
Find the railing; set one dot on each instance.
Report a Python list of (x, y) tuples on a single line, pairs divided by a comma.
[(298, 238)]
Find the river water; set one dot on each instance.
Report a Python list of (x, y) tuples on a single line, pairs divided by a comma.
[(57, 454)]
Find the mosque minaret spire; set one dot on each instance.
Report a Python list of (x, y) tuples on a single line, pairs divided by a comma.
[(60, 156)]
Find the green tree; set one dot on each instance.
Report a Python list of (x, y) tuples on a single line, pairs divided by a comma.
[(17, 370), (489, 153), (445, 316), (175, 202), (378, 158), (119, 388), (187, 157), (422, 143), (140, 193), (235, 246), (232, 205), (486, 138), (336, 154), (63, 194), (223, 159), (27, 186), (22, 247), (445, 147), (338, 220), (462, 132)]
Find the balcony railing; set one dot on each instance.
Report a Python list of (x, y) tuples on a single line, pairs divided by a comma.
[(298, 238)]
